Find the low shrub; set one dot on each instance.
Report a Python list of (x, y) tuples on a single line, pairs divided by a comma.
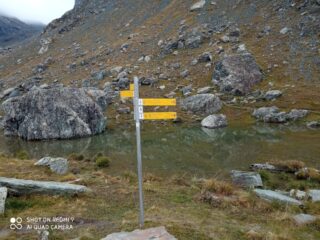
[(102, 162)]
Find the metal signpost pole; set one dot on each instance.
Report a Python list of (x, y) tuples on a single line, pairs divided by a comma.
[(137, 118)]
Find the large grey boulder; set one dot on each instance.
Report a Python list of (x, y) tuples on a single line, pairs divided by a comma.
[(159, 233), (215, 121), (56, 113), (202, 104), (56, 165), (3, 197), (102, 98), (278, 197), (27, 187), (237, 74), (246, 179)]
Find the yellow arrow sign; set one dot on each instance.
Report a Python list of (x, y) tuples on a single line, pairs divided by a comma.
[(157, 102), (126, 94), (159, 115)]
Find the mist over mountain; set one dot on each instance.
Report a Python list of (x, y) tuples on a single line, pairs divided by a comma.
[(12, 30)]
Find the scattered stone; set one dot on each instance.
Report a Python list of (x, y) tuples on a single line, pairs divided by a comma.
[(302, 219), (194, 41), (57, 165), (147, 59), (275, 196), (43, 235), (186, 91), (313, 124), (159, 233), (163, 76), (175, 65), (273, 115), (314, 195), (3, 197), (296, 114), (215, 121), (124, 110), (198, 5), (147, 81), (202, 104), (241, 48), (284, 30), (55, 113), (225, 39), (273, 94), (100, 75), (204, 90), (246, 179), (27, 187), (266, 166), (270, 114), (205, 57), (297, 194), (45, 42), (194, 62), (237, 74), (185, 73)]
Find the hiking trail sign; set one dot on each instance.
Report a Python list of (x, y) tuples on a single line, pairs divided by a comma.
[(140, 115)]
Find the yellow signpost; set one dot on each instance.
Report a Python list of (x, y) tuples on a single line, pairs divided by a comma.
[(126, 94), (159, 115), (158, 102), (139, 115)]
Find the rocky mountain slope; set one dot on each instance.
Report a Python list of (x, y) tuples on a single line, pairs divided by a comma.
[(178, 49), (13, 30)]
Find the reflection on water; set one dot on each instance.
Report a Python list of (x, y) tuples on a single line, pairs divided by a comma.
[(186, 149)]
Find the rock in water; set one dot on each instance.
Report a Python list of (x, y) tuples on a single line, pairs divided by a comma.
[(237, 74), (159, 233), (3, 197), (57, 165), (27, 187), (215, 121), (202, 104), (274, 196), (57, 113), (246, 179)]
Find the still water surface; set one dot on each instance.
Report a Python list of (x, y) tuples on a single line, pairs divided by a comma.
[(180, 149)]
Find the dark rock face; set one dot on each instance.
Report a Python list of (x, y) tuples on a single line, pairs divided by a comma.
[(12, 30), (57, 113), (237, 74), (202, 104)]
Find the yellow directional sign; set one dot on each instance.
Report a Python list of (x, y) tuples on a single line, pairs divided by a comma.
[(157, 102), (159, 115), (126, 94), (131, 87)]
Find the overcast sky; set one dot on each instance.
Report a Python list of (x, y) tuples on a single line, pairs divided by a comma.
[(43, 11)]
